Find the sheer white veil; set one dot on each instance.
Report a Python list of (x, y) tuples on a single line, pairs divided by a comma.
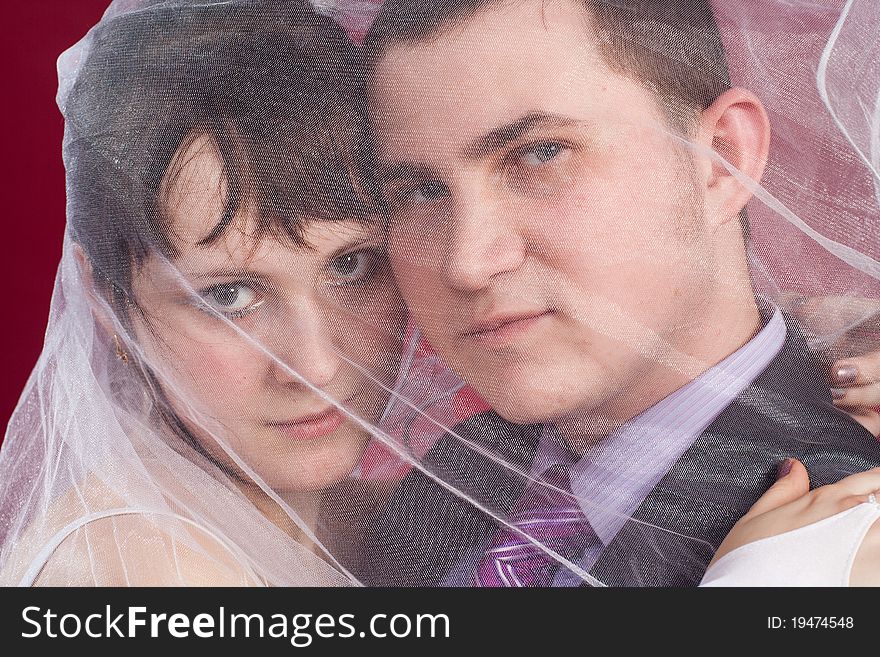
[(256, 360)]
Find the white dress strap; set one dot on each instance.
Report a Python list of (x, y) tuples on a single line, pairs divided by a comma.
[(43, 556), (820, 554)]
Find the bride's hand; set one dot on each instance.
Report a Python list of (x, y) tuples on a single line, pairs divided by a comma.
[(855, 352), (790, 504), (856, 390)]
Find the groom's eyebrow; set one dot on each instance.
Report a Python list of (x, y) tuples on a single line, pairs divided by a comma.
[(502, 136), (481, 147), (394, 171)]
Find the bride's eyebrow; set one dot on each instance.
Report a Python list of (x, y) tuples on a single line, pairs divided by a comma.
[(227, 273)]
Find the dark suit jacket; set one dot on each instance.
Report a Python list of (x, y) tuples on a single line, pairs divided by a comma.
[(787, 412)]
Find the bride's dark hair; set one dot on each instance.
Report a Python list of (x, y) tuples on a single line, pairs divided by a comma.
[(273, 85)]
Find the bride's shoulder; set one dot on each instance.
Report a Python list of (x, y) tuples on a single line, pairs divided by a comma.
[(93, 537), (142, 549)]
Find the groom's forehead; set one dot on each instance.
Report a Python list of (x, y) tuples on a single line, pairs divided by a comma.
[(497, 33), (459, 87), (672, 48), (463, 123)]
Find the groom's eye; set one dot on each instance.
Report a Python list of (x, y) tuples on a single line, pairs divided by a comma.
[(425, 192), (542, 152), (355, 267), (541, 166)]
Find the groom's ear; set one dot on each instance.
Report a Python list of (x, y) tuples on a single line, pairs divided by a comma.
[(733, 145)]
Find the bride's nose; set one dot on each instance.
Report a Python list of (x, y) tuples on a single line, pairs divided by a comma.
[(304, 349)]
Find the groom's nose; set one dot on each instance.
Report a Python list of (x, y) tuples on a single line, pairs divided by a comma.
[(484, 241)]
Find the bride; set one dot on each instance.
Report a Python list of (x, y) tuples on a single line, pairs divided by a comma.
[(224, 324)]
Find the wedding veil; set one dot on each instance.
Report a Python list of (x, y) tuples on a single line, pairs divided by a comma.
[(329, 310)]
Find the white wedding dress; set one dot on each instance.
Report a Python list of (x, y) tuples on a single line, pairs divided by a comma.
[(819, 554)]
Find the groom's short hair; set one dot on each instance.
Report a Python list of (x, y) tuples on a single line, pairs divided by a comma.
[(673, 47)]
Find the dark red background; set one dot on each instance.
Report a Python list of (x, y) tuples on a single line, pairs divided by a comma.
[(32, 175)]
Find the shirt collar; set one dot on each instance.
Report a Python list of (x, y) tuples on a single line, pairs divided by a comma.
[(616, 476)]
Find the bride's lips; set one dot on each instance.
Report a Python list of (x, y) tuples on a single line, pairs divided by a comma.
[(312, 427), (501, 329)]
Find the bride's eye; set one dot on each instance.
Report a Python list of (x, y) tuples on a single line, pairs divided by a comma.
[(233, 300), (354, 267)]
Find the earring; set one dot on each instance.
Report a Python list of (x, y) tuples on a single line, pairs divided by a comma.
[(120, 352)]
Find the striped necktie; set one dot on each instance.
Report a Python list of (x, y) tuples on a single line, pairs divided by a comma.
[(548, 512)]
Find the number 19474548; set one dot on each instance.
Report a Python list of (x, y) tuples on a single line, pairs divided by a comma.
[(810, 622)]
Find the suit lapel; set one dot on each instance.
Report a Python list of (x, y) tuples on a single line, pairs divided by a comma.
[(455, 527), (676, 530)]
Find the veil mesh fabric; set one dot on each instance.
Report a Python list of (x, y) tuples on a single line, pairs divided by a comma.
[(328, 313)]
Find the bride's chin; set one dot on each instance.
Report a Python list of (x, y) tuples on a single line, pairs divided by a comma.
[(331, 461)]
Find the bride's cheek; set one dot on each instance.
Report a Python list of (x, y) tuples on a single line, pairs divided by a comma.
[(223, 377)]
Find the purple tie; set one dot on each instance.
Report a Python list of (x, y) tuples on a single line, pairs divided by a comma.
[(552, 518)]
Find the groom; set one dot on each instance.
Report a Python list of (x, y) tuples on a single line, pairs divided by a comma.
[(583, 267)]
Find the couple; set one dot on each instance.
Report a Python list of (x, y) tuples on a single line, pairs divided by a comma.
[(256, 208)]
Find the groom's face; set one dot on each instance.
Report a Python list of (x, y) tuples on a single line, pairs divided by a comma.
[(546, 230)]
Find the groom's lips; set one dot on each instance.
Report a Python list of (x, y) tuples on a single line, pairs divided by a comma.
[(500, 329)]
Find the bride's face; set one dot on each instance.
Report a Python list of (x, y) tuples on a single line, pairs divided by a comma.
[(238, 330)]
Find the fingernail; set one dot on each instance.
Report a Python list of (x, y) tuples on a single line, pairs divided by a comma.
[(784, 468), (846, 374), (837, 394)]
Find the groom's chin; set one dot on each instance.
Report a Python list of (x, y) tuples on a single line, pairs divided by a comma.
[(537, 392), (533, 404)]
